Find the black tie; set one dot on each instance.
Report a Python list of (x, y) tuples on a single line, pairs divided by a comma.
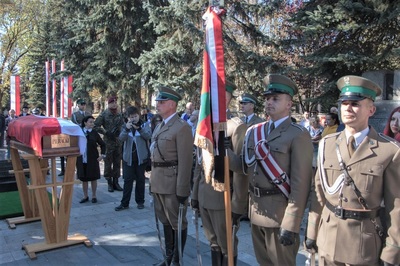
[(271, 127), (351, 146), (247, 119), (162, 124)]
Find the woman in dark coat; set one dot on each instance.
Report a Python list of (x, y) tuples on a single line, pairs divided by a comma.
[(87, 165)]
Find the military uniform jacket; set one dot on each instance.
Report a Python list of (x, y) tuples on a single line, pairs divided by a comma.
[(109, 122), (254, 120), (77, 117), (204, 192), (375, 169), (291, 147), (172, 142)]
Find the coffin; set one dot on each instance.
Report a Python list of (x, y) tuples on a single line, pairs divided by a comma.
[(46, 136)]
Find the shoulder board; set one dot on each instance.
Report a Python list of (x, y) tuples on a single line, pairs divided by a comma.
[(391, 140), (256, 126), (331, 135), (237, 120), (299, 126)]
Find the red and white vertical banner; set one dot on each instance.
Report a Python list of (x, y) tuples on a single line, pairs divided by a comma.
[(53, 71), (62, 114), (15, 93), (48, 90), (67, 101)]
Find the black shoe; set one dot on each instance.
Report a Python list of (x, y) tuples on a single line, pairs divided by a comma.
[(117, 187), (61, 174), (140, 206), (121, 207), (84, 200), (244, 218), (94, 200)]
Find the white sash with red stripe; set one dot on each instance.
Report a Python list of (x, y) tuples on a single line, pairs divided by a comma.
[(268, 164)]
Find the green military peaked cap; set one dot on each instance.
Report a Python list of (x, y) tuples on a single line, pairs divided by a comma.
[(355, 88), (81, 101), (275, 83), (230, 86), (248, 98), (166, 93)]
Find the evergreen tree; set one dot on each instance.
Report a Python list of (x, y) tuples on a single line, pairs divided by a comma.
[(348, 37), (251, 32), (105, 39)]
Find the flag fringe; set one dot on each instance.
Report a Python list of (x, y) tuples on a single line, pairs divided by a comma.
[(207, 154), (219, 126)]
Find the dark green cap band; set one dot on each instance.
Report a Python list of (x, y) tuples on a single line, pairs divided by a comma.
[(247, 100), (280, 88), (229, 88), (163, 96), (349, 90)]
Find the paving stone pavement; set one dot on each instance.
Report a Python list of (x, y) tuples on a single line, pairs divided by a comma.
[(127, 237)]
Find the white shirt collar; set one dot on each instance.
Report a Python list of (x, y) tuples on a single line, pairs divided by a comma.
[(168, 118), (358, 137), (279, 121), (249, 117)]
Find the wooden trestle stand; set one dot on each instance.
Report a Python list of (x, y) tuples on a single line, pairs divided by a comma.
[(55, 212), (27, 197)]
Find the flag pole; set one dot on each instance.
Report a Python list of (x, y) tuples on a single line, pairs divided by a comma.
[(227, 182), (228, 212), (211, 128)]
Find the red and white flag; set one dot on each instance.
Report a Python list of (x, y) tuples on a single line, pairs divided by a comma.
[(67, 101), (15, 93), (48, 89), (54, 84), (30, 130), (62, 95)]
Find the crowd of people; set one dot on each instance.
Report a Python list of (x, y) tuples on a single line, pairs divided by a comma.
[(345, 172)]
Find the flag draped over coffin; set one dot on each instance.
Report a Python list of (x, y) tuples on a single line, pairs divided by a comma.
[(31, 129), (212, 116)]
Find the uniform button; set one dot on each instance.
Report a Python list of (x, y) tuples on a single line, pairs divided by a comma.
[(371, 171), (349, 168), (330, 165)]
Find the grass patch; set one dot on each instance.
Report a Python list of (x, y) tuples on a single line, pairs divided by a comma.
[(10, 205)]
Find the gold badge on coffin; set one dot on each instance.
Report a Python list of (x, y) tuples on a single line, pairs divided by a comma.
[(60, 141)]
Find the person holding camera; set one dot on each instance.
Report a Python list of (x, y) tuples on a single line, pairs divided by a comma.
[(135, 136)]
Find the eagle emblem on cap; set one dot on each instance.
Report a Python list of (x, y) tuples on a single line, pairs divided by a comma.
[(346, 80)]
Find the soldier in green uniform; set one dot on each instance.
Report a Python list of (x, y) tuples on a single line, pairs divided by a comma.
[(109, 123), (78, 116), (247, 104), (358, 170), (171, 154), (210, 201), (277, 157)]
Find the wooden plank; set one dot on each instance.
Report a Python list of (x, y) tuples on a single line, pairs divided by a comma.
[(12, 222), (27, 201), (32, 249), (66, 197), (58, 184), (45, 210)]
